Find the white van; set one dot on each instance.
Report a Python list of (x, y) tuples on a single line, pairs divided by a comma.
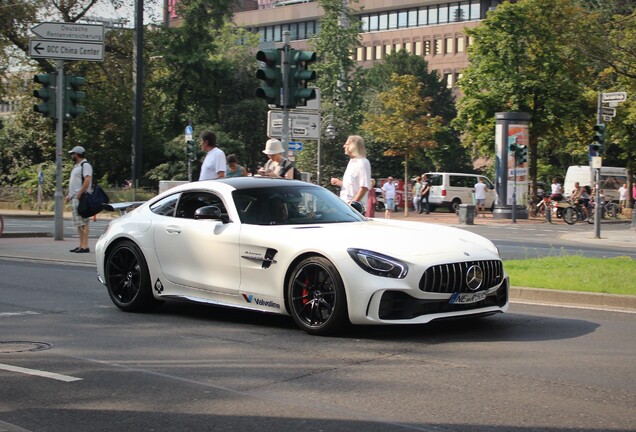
[(452, 189), (612, 178)]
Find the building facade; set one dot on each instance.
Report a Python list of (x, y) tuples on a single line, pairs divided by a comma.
[(432, 29)]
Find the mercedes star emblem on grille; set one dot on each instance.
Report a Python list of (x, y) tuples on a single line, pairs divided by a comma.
[(474, 277)]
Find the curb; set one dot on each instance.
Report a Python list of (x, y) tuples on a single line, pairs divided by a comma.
[(574, 298)]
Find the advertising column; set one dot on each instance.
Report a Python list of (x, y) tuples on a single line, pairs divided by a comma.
[(511, 170)]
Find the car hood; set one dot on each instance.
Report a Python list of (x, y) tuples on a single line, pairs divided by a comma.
[(403, 239)]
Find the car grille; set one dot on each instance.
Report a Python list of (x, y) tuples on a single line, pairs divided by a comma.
[(451, 278), (397, 305)]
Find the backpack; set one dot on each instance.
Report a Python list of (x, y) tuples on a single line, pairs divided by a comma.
[(287, 166)]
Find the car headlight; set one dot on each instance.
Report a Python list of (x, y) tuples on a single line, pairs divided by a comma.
[(378, 264)]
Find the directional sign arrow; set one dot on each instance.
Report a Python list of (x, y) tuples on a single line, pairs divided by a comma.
[(614, 97), (295, 145), (63, 50), (38, 48)]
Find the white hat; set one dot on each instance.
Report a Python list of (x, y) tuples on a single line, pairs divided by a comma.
[(273, 146), (78, 150)]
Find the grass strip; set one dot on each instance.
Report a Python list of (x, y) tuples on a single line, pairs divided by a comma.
[(575, 273)]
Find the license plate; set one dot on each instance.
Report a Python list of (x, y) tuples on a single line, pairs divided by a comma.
[(465, 298)]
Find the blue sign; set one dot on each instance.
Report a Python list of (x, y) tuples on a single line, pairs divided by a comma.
[(188, 130), (295, 145)]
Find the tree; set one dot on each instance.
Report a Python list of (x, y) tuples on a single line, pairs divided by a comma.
[(448, 154), (404, 122), (522, 60)]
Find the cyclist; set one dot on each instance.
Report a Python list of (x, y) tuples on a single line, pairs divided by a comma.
[(581, 196), (556, 193)]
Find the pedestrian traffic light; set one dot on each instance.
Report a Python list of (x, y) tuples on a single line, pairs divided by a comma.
[(191, 150), (47, 94), (598, 140), (271, 75), (73, 96), (299, 75)]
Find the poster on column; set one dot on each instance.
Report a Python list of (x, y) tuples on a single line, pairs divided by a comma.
[(517, 172)]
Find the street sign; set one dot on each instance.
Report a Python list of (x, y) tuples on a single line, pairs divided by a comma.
[(295, 146), (70, 32), (302, 125), (613, 104), (607, 118), (610, 112), (66, 50), (614, 97)]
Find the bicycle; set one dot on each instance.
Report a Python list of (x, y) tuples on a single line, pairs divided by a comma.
[(539, 210), (608, 209), (572, 213)]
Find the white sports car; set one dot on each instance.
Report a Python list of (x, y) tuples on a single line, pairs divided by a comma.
[(294, 248)]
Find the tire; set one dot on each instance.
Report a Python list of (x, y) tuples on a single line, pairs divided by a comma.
[(317, 299), (128, 279), (569, 216), (455, 205), (612, 210)]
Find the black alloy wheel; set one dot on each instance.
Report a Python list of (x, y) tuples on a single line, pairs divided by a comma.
[(317, 297), (128, 279)]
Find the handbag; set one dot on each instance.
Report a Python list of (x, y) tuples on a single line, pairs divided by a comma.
[(92, 203)]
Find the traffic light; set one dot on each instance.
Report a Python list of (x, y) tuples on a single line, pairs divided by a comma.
[(46, 93), (191, 150), (598, 140), (73, 96), (271, 75), (299, 75), (523, 154)]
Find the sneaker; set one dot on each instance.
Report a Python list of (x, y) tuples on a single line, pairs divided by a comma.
[(82, 250), (75, 250)]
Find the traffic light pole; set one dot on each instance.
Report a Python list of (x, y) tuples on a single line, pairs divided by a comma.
[(59, 128), (285, 91), (598, 212)]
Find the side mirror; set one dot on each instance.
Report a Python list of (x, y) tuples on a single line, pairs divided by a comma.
[(358, 207), (210, 212)]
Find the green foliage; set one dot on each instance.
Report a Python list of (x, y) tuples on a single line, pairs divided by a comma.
[(575, 273)]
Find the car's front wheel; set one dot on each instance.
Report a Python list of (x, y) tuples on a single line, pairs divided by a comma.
[(128, 279), (317, 297)]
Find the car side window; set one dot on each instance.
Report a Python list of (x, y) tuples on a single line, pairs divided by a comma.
[(191, 201), (489, 183), (165, 206), (456, 181)]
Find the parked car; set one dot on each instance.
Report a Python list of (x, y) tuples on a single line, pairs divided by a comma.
[(293, 248), (452, 189)]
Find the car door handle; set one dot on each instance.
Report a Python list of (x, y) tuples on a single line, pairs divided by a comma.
[(173, 229)]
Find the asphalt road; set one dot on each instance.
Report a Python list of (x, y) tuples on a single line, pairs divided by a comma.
[(71, 361)]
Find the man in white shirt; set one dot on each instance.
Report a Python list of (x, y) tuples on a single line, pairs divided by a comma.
[(388, 192), (356, 181), (480, 196), (214, 164)]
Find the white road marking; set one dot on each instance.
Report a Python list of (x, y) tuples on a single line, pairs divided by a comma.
[(35, 372), (6, 314)]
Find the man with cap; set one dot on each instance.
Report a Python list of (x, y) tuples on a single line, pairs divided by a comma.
[(277, 166), (80, 181)]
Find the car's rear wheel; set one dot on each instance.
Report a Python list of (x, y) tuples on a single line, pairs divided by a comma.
[(317, 297), (128, 279), (455, 205)]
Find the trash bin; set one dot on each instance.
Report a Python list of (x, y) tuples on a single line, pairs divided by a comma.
[(466, 214)]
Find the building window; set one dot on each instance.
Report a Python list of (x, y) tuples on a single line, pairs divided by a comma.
[(368, 53), (387, 49), (432, 15), (412, 20), (403, 19), (427, 47), (383, 23), (460, 41), (417, 46), (458, 76), (397, 46), (475, 10), (393, 20), (359, 54), (364, 23), (464, 11), (469, 40), (378, 52), (408, 47), (302, 31), (438, 46), (448, 45), (311, 28), (448, 79), (278, 35), (373, 23), (443, 14), (422, 16)]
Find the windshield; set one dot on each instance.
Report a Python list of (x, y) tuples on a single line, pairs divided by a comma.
[(292, 205)]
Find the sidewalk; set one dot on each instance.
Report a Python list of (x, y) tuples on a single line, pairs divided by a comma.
[(46, 249)]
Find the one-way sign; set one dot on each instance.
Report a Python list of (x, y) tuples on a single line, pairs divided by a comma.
[(614, 97)]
